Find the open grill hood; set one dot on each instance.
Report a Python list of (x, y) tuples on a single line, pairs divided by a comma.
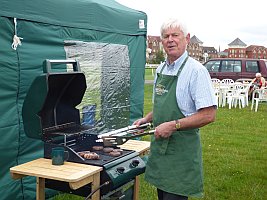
[(51, 101)]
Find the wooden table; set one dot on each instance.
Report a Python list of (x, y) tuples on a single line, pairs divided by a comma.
[(77, 175), (142, 147)]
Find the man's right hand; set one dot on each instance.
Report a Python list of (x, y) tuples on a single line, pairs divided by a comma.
[(140, 121)]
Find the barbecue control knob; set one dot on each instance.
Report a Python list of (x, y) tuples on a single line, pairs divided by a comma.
[(120, 169), (135, 163)]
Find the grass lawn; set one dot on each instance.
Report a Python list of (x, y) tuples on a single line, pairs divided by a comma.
[(234, 154), (149, 73)]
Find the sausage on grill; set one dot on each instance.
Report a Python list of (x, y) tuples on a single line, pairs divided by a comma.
[(108, 149), (91, 156), (97, 148), (83, 152), (115, 153)]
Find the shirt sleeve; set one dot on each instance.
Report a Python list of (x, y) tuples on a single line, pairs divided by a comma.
[(202, 91)]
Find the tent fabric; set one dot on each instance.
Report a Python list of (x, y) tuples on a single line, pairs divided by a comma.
[(100, 15), (44, 26)]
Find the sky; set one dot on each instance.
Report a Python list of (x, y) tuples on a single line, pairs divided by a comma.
[(215, 23)]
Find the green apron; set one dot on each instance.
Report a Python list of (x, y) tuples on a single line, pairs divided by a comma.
[(174, 164)]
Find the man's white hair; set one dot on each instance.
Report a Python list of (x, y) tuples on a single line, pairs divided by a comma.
[(258, 75), (173, 23)]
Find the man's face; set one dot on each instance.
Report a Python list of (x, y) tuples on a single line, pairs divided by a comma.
[(174, 43)]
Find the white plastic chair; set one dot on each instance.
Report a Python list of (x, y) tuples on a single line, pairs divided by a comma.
[(215, 81), (225, 89), (227, 81), (217, 95), (226, 94), (262, 96), (216, 87), (244, 93), (236, 96), (244, 80)]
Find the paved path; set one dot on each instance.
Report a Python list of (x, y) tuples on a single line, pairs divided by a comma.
[(149, 81)]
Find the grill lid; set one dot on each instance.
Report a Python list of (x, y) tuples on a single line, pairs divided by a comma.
[(51, 101)]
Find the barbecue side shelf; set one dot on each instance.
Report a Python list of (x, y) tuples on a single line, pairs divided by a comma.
[(75, 174)]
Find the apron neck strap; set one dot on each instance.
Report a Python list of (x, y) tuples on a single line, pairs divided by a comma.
[(180, 69), (182, 66)]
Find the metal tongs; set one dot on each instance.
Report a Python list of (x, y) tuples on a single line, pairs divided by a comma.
[(126, 130), (119, 140), (120, 136)]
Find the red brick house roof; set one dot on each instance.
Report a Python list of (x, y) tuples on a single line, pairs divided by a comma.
[(254, 47)]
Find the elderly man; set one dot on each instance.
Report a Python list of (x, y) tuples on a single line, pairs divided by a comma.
[(184, 101)]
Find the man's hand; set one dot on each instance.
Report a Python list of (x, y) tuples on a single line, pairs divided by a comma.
[(148, 118), (165, 129), (140, 121)]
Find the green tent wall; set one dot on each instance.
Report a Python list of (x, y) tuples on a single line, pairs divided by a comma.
[(44, 26)]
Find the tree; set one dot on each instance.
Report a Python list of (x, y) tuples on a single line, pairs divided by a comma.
[(159, 57)]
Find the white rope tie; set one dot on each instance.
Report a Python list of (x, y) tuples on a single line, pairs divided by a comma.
[(16, 39)]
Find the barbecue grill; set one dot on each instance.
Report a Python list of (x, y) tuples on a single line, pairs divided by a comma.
[(50, 114)]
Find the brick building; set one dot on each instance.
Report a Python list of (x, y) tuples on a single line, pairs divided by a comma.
[(153, 46), (195, 48), (223, 54), (254, 51), (211, 51), (237, 49)]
